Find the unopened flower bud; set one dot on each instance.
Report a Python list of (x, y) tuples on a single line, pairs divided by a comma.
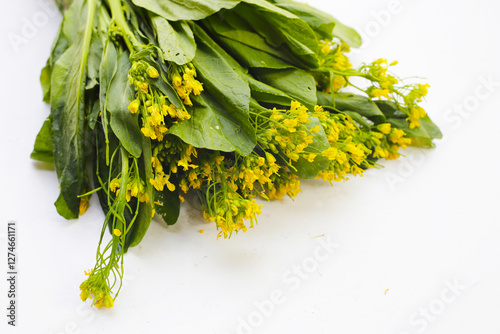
[(152, 72)]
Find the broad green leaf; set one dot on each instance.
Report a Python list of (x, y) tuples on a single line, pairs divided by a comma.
[(63, 209), (390, 109), (178, 10), (75, 18), (69, 76), (310, 170), (281, 27), (44, 149), (212, 127), (320, 21), (251, 57), (296, 83), (347, 34), (267, 94), (176, 40), (248, 47), (362, 121), (168, 203), (124, 124), (94, 61), (220, 114), (220, 79), (324, 24)]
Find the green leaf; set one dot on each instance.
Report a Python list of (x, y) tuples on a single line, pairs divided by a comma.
[(45, 81), (320, 21), (246, 46), (176, 40), (63, 209), (267, 94), (44, 149), (69, 76), (168, 203), (212, 127), (177, 10), (296, 83), (94, 61), (324, 24), (347, 34), (220, 114), (310, 170), (362, 121), (124, 124), (390, 109), (280, 27)]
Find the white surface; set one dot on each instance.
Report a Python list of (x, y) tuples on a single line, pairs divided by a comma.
[(436, 224)]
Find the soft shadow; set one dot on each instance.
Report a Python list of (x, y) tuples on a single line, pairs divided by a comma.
[(43, 165)]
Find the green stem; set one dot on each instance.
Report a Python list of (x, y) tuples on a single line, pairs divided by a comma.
[(121, 22)]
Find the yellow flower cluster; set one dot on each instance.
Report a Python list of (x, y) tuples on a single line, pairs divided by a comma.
[(348, 153), (135, 188), (156, 111), (414, 111), (185, 83), (160, 179), (406, 97), (96, 287), (332, 56), (229, 211), (283, 183), (378, 70), (284, 132), (138, 74)]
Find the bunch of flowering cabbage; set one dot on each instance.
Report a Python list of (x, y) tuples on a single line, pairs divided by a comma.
[(232, 100)]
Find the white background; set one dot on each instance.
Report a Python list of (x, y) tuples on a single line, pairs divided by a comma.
[(415, 227)]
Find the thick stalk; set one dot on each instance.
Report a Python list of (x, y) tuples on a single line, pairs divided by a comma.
[(119, 18)]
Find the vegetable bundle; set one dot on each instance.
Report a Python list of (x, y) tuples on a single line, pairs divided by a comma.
[(233, 100)]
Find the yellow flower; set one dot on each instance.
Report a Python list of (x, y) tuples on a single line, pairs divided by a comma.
[(330, 153), (117, 232), (115, 183), (384, 128), (177, 80), (315, 129), (134, 106), (295, 105), (152, 72), (326, 49), (84, 205), (143, 86), (290, 124)]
